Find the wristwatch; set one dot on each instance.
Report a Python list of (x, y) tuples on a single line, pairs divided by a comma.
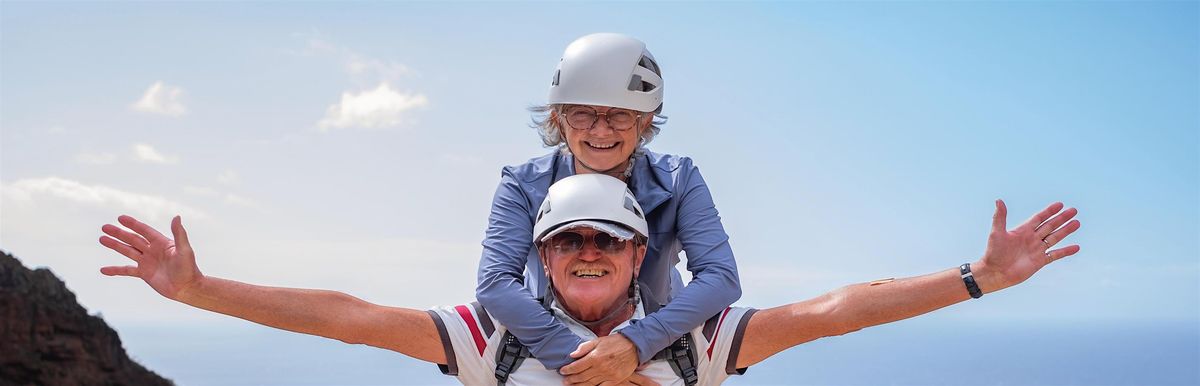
[(969, 280)]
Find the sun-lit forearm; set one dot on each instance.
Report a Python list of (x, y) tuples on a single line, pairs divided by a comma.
[(864, 305), (854, 307), (329, 314), (307, 311)]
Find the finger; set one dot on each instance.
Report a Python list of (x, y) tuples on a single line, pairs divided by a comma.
[(146, 231), (129, 238), (585, 378), (1062, 233), (1063, 252), (642, 380), (1000, 218), (608, 383), (121, 248), (575, 367), (579, 379), (584, 349), (181, 238), (127, 270), (1040, 217), (1058, 220)]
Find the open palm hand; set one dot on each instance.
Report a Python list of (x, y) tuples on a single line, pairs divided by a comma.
[(167, 265), (1015, 255)]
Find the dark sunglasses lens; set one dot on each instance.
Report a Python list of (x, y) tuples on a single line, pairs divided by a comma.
[(605, 242), (567, 242)]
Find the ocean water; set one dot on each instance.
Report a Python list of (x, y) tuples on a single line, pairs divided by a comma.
[(898, 354)]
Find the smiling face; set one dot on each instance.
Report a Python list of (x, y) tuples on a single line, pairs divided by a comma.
[(590, 282), (601, 148)]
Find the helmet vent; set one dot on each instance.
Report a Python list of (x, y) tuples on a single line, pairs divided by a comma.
[(629, 204), (545, 209), (637, 84), (649, 65), (555, 81)]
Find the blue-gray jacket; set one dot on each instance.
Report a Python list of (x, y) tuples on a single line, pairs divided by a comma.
[(681, 215)]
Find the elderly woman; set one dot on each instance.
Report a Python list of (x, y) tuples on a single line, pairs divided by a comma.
[(591, 241), (604, 106)]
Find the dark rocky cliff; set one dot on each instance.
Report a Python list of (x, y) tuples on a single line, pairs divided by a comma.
[(46, 338)]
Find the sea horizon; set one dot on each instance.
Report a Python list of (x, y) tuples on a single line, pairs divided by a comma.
[(915, 353)]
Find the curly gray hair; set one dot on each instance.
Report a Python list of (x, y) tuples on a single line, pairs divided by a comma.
[(547, 127)]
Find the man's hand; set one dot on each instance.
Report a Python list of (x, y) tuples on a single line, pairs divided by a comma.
[(168, 266), (1014, 256), (608, 360)]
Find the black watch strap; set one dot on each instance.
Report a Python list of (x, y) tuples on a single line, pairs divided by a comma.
[(969, 280)]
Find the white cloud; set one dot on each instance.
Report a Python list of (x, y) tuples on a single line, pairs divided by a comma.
[(201, 191), (161, 98), (146, 153), (33, 190), (382, 107), (96, 158), (228, 177), (361, 67), (228, 198), (358, 65), (234, 199)]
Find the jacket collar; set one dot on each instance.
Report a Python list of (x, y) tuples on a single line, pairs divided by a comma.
[(646, 181)]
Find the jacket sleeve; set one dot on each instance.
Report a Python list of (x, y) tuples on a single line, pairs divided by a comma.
[(501, 288), (714, 284)]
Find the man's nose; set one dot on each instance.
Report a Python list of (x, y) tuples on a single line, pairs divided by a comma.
[(589, 252)]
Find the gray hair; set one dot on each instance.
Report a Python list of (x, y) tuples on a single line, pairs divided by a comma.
[(543, 120)]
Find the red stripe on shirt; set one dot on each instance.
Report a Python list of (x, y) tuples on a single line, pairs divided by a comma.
[(470, 319), (716, 334)]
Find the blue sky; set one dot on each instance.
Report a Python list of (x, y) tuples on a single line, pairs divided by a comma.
[(843, 142)]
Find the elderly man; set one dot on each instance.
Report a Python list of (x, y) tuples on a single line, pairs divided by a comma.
[(590, 233)]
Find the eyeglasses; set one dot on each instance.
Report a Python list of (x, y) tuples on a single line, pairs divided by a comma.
[(569, 243), (584, 117)]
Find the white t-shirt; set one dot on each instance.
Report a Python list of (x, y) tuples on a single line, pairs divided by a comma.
[(471, 337)]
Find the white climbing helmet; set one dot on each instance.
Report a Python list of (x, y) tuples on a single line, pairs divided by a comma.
[(595, 200), (608, 69)]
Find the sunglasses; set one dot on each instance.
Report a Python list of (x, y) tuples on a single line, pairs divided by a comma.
[(569, 243)]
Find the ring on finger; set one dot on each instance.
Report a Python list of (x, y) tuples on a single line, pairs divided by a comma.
[(1046, 243)]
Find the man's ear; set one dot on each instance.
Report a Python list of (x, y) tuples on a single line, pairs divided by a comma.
[(545, 259), (639, 256)]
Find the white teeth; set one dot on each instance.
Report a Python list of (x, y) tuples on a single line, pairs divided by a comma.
[(590, 273), (608, 146)]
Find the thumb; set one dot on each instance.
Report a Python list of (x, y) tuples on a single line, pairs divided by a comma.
[(181, 239), (584, 349), (1000, 219)]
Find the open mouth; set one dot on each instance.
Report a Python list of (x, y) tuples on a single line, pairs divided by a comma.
[(589, 273), (601, 146)]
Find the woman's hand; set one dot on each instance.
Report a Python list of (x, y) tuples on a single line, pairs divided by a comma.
[(168, 266), (1013, 256), (602, 361)]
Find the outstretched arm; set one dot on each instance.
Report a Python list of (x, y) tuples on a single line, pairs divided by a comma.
[(169, 267), (1011, 258)]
